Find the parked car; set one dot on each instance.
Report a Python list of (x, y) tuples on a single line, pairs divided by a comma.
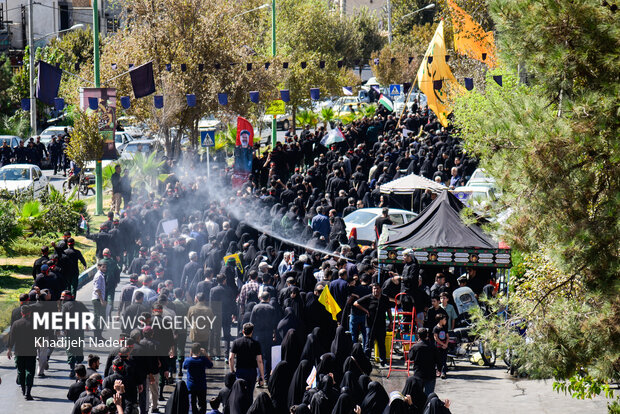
[(17, 178), (283, 122), (130, 126), (145, 146), (362, 222), (481, 179), (121, 139), (475, 195), (399, 101), (210, 122), (46, 135), (12, 140)]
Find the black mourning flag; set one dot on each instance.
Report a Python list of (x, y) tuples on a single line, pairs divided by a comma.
[(142, 80)]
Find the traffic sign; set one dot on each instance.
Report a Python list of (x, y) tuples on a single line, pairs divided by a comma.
[(276, 108), (207, 138), (394, 90)]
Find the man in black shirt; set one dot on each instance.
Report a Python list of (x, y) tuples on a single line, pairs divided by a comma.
[(36, 267), (382, 221), (424, 357), (265, 320), (71, 259), (248, 354), (433, 311), (376, 306), (22, 339), (79, 385)]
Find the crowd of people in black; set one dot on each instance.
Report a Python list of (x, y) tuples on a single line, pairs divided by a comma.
[(36, 152), (254, 260)]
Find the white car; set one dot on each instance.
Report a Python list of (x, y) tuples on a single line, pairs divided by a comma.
[(145, 146), (46, 135), (129, 124), (363, 222), (475, 196), (121, 139), (480, 179), (17, 178)]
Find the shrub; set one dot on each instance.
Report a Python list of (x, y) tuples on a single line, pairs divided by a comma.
[(10, 229)]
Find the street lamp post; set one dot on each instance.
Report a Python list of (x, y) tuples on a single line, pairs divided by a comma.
[(33, 101), (274, 132), (98, 169), (389, 13)]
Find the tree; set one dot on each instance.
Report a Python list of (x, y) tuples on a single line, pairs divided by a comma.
[(327, 38), (394, 65), (194, 32), (553, 147), (6, 106), (86, 142)]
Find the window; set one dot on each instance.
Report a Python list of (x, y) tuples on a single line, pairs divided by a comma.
[(396, 218), (360, 217)]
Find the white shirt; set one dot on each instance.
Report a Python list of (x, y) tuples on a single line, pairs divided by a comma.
[(98, 285)]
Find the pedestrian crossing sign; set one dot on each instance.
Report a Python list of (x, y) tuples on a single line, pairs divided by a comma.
[(207, 138), (394, 90)]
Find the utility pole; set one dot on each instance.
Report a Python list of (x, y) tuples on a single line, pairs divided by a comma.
[(389, 21), (274, 124), (98, 169), (31, 51)]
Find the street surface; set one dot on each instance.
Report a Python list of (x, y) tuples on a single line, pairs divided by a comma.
[(471, 389)]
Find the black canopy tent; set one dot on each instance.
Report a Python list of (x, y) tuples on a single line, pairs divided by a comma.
[(439, 237)]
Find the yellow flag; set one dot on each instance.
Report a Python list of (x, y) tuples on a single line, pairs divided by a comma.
[(437, 70), (327, 300), (237, 261), (469, 37)]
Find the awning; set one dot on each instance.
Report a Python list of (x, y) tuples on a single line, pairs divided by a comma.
[(409, 183)]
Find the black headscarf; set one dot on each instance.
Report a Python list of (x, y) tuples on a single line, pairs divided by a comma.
[(311, 350), (224, 393), (364, 380), (350, 381), (344, 405), (376, 399), (278, 385), (261, 405), (357, 352), (295, 303), (232, 248), (307, 281), (325, 399), (342, 345), (298, 384), (240, 398), (178, 402), (291, 348), (290, 321), (327, 365), (435, 406), (397, 406), (415, 388)]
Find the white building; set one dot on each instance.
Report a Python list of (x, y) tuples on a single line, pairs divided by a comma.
[(49, 17)]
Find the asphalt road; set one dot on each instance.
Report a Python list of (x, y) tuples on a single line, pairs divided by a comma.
[(471, 389)]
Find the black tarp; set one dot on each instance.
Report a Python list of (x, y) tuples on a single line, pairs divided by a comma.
[(439, 225)]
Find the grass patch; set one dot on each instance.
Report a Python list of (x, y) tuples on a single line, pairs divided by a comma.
[(29, 246), (10, 289)]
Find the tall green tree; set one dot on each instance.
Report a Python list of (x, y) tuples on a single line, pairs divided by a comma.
[(324, 37), (193, 32), (553, 146)]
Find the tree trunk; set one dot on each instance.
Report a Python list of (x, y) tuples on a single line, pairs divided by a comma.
[(294, 120)]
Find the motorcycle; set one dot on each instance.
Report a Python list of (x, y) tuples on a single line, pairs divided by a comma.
[(463, 345)]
